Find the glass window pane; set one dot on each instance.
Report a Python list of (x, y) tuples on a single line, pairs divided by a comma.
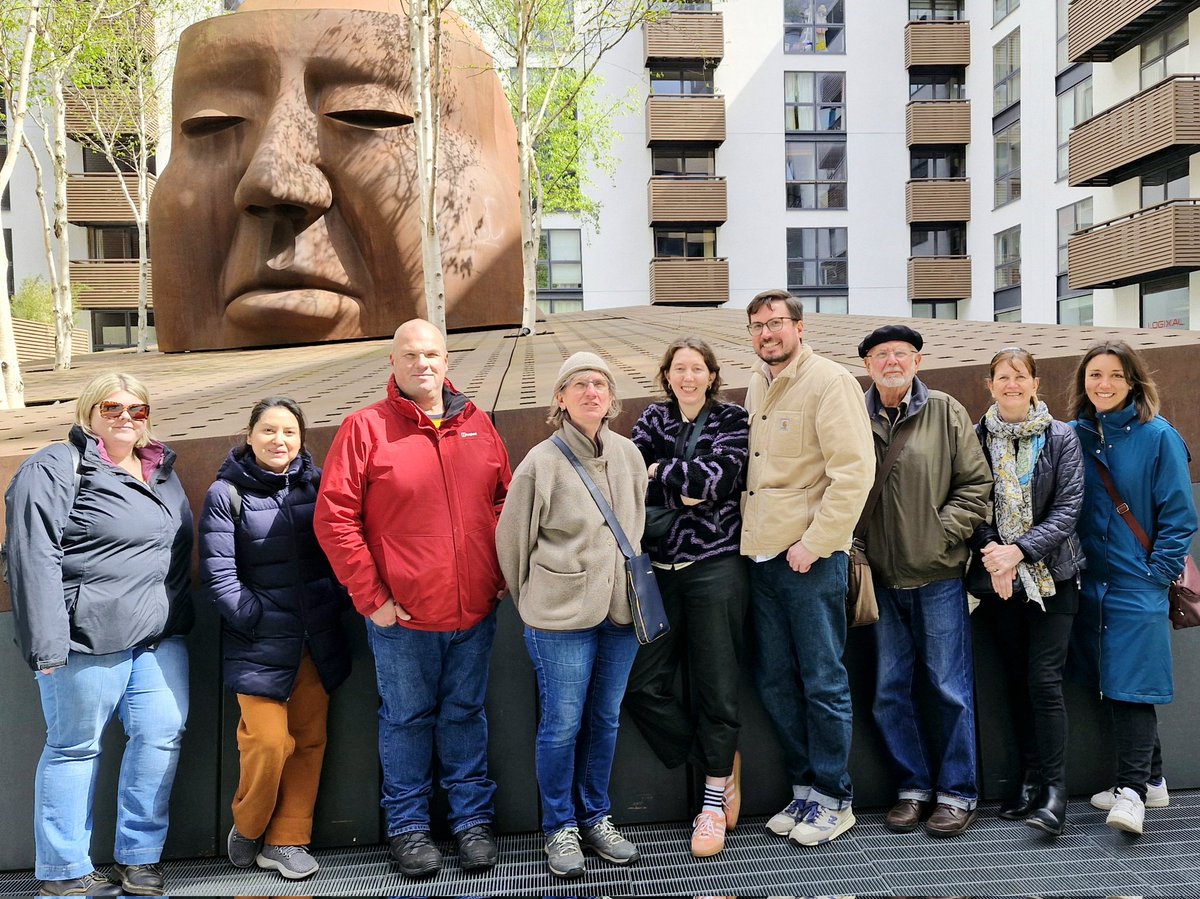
[(1165, 304), (567, 274), (564, 245)]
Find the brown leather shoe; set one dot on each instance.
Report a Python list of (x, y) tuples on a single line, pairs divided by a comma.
[(948, 821), (906, 815)]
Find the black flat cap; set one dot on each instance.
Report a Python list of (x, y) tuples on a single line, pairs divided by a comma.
[(888, 333)]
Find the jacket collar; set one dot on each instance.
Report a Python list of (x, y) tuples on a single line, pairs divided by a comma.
[(579, 443), (792, 369), (453, 403), (157, 458), (1126, 416), (918, 396), (241, 468)]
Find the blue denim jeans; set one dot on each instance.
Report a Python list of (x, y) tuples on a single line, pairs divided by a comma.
[(800, 627), (432, 685), (581, 681), (930, 623), (148, 690)]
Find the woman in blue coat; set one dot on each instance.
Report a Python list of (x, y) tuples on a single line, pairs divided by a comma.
[(284, 647), (1123, 608)]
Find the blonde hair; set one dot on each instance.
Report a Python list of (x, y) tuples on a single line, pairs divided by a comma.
[(104, 385), (558, 415)]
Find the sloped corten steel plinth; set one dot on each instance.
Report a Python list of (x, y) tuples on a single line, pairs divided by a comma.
[(288, 213)]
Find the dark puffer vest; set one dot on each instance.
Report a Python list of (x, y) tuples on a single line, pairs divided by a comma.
[(269, 579)]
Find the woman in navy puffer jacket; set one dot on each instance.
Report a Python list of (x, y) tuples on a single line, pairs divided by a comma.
[(284, 648)]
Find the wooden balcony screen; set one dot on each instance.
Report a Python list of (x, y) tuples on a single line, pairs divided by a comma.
[(939, 277), (937, 44), (1157, 240), (938, 200), (685, 35), (109, 283), (938, 122), (687, 200), (694, 119), (689, 281)]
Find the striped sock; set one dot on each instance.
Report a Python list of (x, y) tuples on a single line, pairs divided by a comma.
[(713, 798)]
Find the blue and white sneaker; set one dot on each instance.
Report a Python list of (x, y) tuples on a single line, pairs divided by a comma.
[(781, 824), (820, 825)]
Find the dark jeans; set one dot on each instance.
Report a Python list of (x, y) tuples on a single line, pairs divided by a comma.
[(1135, 734), (1033, 649), (706, 605), (800, 631)]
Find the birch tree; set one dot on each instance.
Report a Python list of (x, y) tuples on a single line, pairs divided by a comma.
[(18, 32)]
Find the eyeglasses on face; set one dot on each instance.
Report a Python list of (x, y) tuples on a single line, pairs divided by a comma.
[(111, 410), (900, 356), (599, 384), (772, 324)]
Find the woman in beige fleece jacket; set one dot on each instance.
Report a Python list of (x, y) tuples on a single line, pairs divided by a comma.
[(567, 578)]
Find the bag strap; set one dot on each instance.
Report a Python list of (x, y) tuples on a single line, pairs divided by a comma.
[(697, 426), (1122, 506), (889, 462), (77, 475), (605, 509), (235, 502)]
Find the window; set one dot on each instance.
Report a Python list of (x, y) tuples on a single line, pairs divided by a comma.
[(936, 86), (1074, 105), (684, 162), (1168, 183), (1008, 315), (1008, 258), (932, 162), (1165, 54), (116, 329), (1071, 218), (1075, 310), (816, 257), (814, 26), (698, 244), (1061, 61), (816, 174), (1008, 164), (814, 101), (681, 80), (112, 242), (1006, 71), (935, 10), (946, 240), (1001, 8), (560, 271), (947, 309), (1165, 303)]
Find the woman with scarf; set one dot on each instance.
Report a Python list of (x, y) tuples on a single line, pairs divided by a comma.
[(1026, 573)]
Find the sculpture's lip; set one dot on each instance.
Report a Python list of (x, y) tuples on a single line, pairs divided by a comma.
[(278, 282), (303, 302)]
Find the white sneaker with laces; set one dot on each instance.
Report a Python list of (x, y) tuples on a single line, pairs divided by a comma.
[(820, 825), (1156, 796), (781, 823), (1128, 811)]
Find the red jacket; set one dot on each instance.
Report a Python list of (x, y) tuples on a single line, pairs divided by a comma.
[(408, 511)]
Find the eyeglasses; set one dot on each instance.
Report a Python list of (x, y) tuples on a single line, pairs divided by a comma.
[(900, 356), (599, 384), (773, 325), (111, 410)]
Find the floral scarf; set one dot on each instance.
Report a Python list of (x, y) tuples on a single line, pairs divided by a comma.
[(1013, 473)]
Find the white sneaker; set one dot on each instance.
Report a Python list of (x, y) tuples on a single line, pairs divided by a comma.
[(781, 824), (820, 825), (1156, 796), (1128, 811)]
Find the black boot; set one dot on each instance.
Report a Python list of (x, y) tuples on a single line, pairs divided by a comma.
[(1051, 813), (1024, 802)]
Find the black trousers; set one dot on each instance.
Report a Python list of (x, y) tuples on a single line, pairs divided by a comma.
[(706, 605), (1033, 645), (1135, 735)]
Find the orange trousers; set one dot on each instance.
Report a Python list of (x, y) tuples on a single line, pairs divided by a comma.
[(282, 747)]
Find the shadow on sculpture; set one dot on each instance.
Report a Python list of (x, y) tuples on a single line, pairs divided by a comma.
[(287, 213)]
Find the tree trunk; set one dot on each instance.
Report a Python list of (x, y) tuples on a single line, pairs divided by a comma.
[(61, 286), (529, 247), (426, 136)]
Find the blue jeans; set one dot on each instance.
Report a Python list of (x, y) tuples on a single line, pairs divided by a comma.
[(581, 681), (800, 626), (432, 685), (932, 623), (148, 690)]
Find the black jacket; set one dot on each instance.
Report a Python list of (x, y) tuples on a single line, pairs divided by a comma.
[(99, 572), (1057, 499), (269, 579)]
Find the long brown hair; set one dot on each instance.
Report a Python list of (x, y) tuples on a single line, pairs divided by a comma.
[(1141, 386)]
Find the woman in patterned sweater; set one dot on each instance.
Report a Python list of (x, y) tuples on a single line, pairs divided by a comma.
[(695, 449)]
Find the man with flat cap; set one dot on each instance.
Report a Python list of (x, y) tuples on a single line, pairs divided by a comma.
[(930, 501)]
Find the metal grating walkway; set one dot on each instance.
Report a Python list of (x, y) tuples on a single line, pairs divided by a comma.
[(993, 858)]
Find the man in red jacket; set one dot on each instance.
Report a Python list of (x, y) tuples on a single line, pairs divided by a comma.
[(412, 488)]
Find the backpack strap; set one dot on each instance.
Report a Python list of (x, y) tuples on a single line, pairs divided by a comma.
[(235, 502), (75, 459)]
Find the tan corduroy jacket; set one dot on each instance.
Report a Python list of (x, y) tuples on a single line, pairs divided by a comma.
[(812, 460), (560, 559)]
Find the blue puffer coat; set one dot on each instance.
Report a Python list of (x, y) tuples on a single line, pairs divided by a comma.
[(269, 578), (1123, 606)]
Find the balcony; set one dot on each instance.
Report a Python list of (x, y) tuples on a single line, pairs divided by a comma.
[(938, 200), (1101, 30), (108, 283), (115, 116), (96, 198), (682, 199), (1152, 242), (689, 282), (685, 119), (937, 122), (1137, 133), (939, 277), (937, 44), (685, 35)]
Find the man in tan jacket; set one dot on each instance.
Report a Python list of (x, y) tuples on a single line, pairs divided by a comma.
[(811, 466)]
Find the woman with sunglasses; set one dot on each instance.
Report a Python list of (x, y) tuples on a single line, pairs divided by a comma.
[(99, 562), (285, 651)]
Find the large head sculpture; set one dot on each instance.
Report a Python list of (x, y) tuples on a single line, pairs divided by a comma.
[(288, 211)]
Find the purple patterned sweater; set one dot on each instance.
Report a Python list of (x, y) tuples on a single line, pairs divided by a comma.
[(716, 474)]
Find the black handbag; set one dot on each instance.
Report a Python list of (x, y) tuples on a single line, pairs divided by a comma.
[(645, 600), (659, 519)]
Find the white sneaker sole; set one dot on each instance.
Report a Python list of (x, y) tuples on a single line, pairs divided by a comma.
[(818, 837), (284, 870)]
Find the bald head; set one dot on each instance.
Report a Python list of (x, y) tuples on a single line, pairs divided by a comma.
[(419, 363)]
